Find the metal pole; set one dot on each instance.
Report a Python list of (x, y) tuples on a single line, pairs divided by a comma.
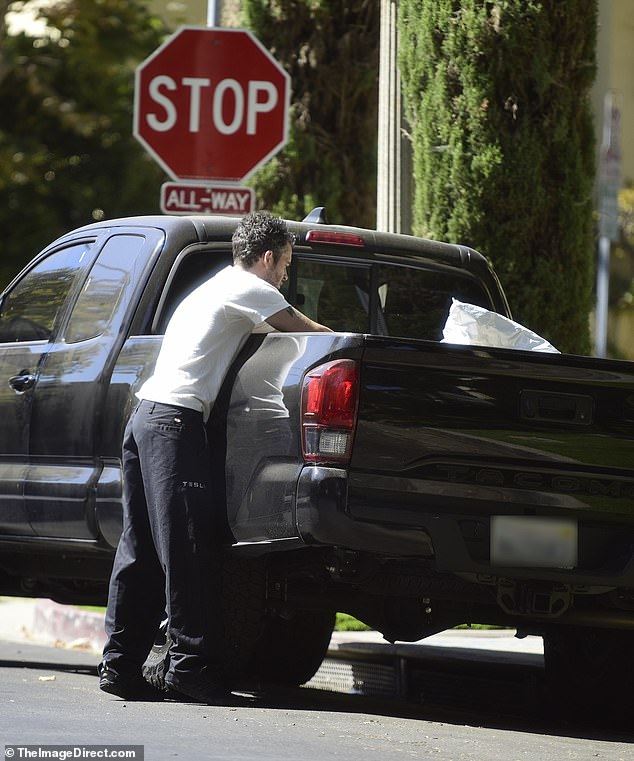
[(603, 283), (388, 202), (213, 12), (609, 184)]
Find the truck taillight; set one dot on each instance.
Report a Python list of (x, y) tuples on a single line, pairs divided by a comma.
[(329, 411), (337, 238)]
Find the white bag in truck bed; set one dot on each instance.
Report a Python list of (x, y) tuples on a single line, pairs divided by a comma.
[(471, 324)]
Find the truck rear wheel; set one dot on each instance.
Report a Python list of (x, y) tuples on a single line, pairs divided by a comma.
[(290, 650), (259, 644), (243, 614), (264, 645)]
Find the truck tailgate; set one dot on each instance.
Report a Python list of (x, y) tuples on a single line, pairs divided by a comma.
[(455, 435)]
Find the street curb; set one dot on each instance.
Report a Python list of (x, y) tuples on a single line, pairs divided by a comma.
[(483, 640), (47, 622), (483, 646), (68, 626)]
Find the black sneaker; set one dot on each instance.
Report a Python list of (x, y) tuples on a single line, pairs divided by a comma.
[(199, 688), (126, 686)]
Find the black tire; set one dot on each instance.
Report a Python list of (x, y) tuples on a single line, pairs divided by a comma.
[(244, 612), (290, 650), (589, 675), (259, 645), (243, 616)]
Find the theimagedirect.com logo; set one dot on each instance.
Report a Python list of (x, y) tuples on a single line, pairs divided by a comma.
[(66, 752)]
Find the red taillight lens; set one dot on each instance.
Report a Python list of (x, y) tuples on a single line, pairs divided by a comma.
[(331, 395), (334, 238), (329, 411)]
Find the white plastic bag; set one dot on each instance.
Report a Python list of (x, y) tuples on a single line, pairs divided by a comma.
[(471, 324)]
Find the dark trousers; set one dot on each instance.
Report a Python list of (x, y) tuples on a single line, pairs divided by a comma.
[(168, 557)]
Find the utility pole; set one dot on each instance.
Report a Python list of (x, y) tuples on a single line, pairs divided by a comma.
[(388, 201), (394, 176)]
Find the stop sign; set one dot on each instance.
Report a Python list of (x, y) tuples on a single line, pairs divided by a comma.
[(211, 104)]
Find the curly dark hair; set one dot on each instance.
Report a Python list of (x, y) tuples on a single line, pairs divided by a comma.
[(258, 232)]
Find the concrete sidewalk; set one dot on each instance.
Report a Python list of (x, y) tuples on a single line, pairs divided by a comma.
[(503, 640), (47, 622)]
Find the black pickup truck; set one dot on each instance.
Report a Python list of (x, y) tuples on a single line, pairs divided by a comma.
[(412, 483)]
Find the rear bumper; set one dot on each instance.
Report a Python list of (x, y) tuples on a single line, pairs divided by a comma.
[(323, 518), (400, 517)]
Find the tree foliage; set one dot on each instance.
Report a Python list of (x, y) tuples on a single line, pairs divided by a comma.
[(503, 145), (330, 50), (67, 154)]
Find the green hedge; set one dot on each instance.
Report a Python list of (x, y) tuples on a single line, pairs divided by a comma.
[(503, 145)]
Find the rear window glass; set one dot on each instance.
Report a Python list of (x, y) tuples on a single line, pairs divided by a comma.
[(349, 297), (334, 295), (384, 299), (415, 303)]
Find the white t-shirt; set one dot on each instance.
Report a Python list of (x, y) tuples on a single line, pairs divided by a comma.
[(205, 334)]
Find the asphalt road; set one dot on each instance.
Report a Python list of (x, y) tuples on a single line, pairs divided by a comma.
[(50, 696)]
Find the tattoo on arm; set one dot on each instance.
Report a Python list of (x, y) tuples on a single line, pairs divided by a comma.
[(290, 311)]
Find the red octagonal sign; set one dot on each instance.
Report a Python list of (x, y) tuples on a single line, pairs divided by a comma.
[(211, 104)]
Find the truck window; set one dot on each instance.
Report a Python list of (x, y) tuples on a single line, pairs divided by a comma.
[(411, 303), (415, 302), (336, 295), (111, 275), (31, 308), (190, 270)]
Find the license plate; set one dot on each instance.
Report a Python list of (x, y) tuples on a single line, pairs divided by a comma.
[(528, 541)]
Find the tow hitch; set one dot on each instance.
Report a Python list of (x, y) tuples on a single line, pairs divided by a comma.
[(525, 599)]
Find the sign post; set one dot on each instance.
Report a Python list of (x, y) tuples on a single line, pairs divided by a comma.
[(211, 106), (609, 186)]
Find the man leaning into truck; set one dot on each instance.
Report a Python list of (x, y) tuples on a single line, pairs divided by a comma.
[(168, 548)]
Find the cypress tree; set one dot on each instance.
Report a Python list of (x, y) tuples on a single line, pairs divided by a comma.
[(503, 145), (330, 50)]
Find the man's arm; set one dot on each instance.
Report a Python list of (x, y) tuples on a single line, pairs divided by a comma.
[(289, 320)]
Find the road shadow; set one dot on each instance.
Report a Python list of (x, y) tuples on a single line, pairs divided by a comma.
[(39, 657), (493, 716), (69, 668), (505, 696)]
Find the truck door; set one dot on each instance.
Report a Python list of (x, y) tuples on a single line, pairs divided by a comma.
[(30, 312), (68, 399)]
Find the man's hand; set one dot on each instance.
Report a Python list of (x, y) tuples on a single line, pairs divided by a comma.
[(289, 320)]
